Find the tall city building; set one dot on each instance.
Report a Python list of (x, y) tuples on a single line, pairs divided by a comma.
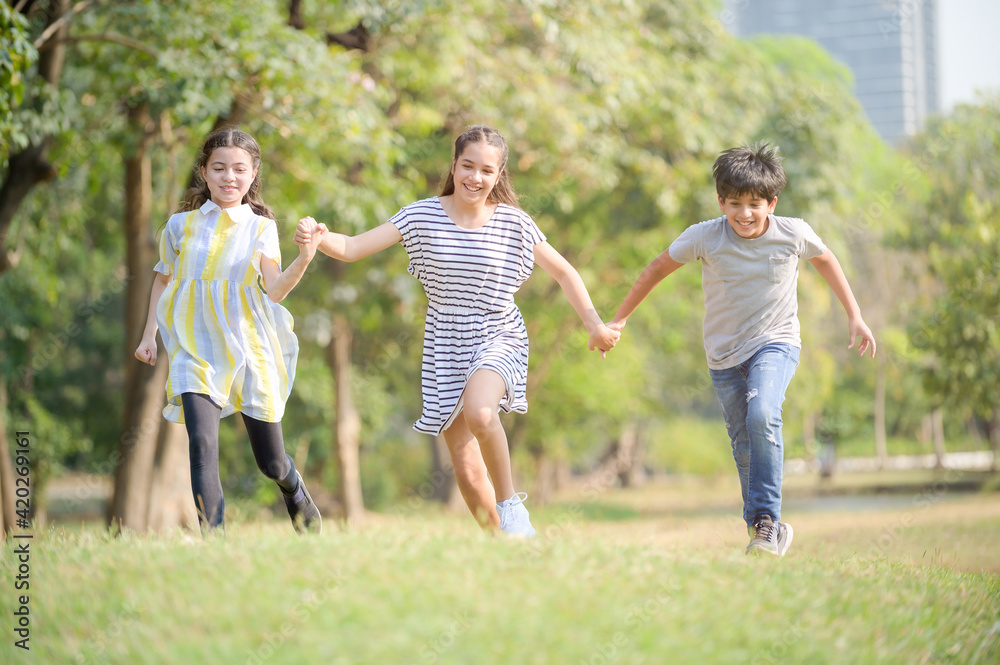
[(889, 46)]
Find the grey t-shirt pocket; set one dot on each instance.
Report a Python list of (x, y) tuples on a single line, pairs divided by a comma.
[(781, 268)]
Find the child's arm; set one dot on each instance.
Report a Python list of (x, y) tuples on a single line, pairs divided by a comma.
[(829, 267), (146, 351), (653, 274), (552, 262), (349, 248), (280, 283)]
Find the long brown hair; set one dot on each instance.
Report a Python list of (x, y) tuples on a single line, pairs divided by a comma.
[(503, 191), (229, 137)]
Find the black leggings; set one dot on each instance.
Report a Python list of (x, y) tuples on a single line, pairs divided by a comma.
[(201, 418)]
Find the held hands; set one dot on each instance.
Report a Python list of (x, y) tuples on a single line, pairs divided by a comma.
[(612, 332), (858, 331), (308, 235), (146, 352), (604, 339)]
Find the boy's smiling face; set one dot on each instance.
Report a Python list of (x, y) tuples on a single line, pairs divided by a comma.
[(747, 213)]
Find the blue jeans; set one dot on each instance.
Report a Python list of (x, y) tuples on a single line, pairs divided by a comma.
[(751, 395)]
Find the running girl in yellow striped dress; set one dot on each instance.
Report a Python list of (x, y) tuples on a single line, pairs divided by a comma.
[(230, 344)]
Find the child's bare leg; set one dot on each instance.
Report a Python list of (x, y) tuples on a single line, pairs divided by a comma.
[(470, 472), (483, 393), (479, 413)]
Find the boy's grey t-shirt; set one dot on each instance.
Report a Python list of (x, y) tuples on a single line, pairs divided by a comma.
[(749, 284)]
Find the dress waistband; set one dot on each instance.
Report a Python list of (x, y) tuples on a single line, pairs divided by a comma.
[(457, 309), (199, 278)]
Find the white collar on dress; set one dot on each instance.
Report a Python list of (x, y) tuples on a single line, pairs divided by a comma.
[(240, 213)]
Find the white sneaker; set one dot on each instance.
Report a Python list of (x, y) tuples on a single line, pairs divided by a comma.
[(514, 517)]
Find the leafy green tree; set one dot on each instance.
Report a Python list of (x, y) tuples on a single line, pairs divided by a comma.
[(614, 114), (19, 54), (960, 226), (175, 71)]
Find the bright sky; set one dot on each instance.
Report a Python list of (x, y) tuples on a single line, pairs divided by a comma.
[(968, 53)]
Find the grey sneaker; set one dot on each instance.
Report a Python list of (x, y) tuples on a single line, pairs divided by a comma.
[(514, 517), (769, 536), (304, 513)]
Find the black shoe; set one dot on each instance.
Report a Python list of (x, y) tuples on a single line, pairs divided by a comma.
[(304, 513)]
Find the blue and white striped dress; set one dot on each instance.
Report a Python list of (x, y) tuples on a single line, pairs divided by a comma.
[(470, 277)]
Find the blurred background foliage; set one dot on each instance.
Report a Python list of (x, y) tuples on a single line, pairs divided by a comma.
[(614, 113)]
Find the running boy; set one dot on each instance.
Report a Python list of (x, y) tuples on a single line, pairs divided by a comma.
[(749, 261)]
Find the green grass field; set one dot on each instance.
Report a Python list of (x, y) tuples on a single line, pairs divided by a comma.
[(655, 575)]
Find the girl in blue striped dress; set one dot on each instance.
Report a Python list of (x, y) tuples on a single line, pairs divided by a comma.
[(230, 345), (471, 248)]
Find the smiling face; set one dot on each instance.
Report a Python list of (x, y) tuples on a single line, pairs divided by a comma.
[(476, 172), (229, 172), (747, 213)]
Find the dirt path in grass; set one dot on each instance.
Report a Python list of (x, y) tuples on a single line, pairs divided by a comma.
[(922, 524)]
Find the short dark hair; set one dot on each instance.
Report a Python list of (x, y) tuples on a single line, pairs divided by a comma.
[(754, 170)]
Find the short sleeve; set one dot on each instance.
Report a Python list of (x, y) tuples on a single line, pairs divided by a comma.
[(266, 244), (407, 224), (810, 244), (169, 241), (530, 231), (531, 235), (687, 247)]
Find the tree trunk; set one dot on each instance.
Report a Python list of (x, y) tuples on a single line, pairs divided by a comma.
[(881, 447), (29, 167), (7, 481), (295, 19), (170, 500), (348, 428), (129, 507), (144, 398), (630, 471), (937, 420), (617, 465), (621, 457)]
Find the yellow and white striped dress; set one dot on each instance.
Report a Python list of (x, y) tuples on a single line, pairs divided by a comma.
[(223, 335)]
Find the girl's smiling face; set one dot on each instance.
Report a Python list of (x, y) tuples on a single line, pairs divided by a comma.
[(476, 172), (229, 174), (747, 213)]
